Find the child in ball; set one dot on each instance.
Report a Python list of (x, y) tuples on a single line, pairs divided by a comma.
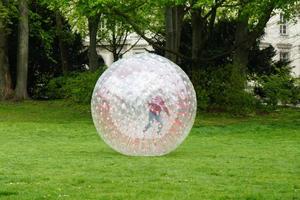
[(156, 105)]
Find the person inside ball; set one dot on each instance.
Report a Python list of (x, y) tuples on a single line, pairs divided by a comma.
[(156, 105)]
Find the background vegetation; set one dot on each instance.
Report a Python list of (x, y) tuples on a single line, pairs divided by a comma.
[(45, 53)]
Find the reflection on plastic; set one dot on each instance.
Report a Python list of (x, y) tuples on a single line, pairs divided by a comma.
[(144, 105)]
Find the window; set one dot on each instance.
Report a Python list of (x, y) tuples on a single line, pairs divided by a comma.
[(103, 25), (283, 25), (284, 56), (138, 52)]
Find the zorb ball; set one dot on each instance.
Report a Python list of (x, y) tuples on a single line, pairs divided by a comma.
[(144, 105)]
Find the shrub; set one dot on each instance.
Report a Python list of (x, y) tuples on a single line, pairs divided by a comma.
[(77, 87), (40, 83), (55, 88), (278, 88), (295, 97), (202, 98), (223, 89)]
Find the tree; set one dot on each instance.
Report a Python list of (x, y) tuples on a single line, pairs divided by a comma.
[(93, 13), (80, 14), (251, 20), (65, 66), (113, 36), (157, 22), (6, 90), (246, 34), (261, 63), (203, 18), (22, 55), (173, 25), (93, 22), (45, 59)]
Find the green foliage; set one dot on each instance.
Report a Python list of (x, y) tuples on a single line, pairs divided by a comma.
[(55, 88), (44, 60), (261, 63), (8, 10), (295, 93), (42, 28), (279, 88), (77, 86), (202, 98), (219, 89), (38, 91), (3, 13), (274, 83)]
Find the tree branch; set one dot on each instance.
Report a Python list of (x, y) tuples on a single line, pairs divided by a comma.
[(124, 41), (139, 31), (263, 21), (218, 4), (132, 46)]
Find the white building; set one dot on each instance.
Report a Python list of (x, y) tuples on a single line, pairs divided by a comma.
[(285, 38), (134, 44), (282, 35)]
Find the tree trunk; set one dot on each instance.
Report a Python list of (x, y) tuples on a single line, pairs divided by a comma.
[(245, 39), (93, 29), (174, 19), (114, 43), (116, 56), (6, 90), (198, 36), (62, 46), (22, 56), (241, 53)]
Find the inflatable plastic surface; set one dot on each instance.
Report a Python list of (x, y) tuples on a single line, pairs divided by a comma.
[(144, 105)]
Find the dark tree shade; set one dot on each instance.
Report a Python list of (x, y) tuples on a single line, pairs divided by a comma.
[(45, 60), (22, 55)]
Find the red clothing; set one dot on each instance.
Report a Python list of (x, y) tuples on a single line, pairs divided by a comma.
[(156, 105)]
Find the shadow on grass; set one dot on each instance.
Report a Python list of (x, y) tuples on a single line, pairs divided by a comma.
[(5, 193), (109, 153), (179, 154)]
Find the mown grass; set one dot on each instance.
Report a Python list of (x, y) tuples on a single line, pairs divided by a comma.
[(50, 150)]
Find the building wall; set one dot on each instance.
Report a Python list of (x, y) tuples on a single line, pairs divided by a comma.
[(141, 47), (284, 43)]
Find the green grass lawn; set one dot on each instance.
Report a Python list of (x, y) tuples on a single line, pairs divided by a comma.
[(50, 150)]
